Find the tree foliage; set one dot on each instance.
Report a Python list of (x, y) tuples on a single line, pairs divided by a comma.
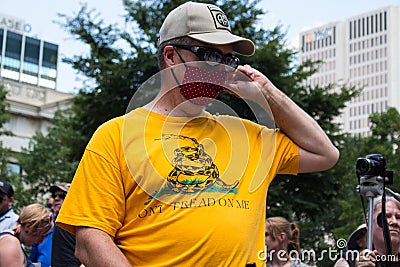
[(49, 158)]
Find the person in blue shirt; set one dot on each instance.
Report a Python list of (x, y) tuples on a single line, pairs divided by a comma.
[(42, 252), (8, 218)]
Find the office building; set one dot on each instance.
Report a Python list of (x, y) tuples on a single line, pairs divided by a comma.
[(362, 51), (28, 70), (26, 59)]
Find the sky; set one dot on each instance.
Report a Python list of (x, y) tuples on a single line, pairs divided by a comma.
[(295, 16)]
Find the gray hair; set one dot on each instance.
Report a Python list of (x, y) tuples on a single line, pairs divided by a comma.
[(378, 200)]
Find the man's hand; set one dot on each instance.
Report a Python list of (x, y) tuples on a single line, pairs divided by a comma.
[(247, 83)]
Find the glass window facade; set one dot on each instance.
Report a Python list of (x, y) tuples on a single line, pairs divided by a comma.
[(27, 59)]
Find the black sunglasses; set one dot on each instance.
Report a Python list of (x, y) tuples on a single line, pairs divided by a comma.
[(211, 55), (59, 194)]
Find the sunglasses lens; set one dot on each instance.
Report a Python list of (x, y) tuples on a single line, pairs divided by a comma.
[(212, 57), (60, 195), (231, 63)]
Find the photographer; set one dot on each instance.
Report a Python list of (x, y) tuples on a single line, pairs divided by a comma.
[(378, 256)]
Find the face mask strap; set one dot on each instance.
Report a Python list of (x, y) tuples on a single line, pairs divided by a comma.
[(172, 70)]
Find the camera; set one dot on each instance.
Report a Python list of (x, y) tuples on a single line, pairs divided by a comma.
[(373, 165)]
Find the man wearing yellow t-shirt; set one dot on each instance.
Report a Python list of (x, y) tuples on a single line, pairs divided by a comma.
[(170, 184)]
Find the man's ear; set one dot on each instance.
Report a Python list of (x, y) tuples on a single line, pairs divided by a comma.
[(169, 53)]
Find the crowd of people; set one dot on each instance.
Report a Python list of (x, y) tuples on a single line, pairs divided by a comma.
[(35, 228), (170, 184)]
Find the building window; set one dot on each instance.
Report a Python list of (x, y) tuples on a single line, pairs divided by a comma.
[(363, 26), (50, 55), (355, 29), (372, 23), (49, 64), (31, 56), (385, 21), (350, 30), (13, 51), (334, 35)]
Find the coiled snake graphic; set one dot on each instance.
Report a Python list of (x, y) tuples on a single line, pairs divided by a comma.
[(194, 170)]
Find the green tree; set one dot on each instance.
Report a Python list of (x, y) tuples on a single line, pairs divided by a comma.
[(48, 158)]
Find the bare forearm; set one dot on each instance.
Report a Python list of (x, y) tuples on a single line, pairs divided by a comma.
[(302, 129), (295, 122), (96, 248), (316, 152)]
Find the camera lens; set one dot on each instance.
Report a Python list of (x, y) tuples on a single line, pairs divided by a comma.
[(374, 165), (368, 166), (363, 166)]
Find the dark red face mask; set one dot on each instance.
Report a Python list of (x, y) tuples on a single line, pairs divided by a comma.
[(201, 86)]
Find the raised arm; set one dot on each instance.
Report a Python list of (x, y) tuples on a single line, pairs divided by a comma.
[(96, 248), (317, 153)]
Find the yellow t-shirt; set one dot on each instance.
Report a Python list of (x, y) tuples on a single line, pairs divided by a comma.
[(179, 192)]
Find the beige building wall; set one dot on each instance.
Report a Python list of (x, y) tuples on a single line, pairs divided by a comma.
[(31, 108)]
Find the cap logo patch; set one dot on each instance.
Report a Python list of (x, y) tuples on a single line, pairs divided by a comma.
[(220, 19)]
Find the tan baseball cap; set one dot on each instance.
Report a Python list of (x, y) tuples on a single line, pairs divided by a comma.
[(60, 186), (206, 23)]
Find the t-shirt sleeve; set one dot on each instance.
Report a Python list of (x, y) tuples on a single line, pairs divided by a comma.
[(96, 196), (287, 154)]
